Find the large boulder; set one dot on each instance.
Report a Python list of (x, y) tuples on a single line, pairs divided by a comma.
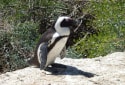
[(107, 70)]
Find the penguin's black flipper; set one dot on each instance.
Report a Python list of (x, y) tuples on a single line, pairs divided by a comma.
[(43, 55), (63, 53)]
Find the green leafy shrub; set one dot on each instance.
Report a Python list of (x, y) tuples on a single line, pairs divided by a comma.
[(110, 21), (5, 48), (24, 38), (30, 10), (17, 45)]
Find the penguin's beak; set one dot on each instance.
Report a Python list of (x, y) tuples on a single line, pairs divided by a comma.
[(75, 23)]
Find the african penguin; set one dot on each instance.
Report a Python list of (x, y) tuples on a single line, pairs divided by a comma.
[(53, 42)]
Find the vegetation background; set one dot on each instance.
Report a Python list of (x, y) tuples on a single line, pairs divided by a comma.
[(23, 21)]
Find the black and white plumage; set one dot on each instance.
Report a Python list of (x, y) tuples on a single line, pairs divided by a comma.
[(52, 43)]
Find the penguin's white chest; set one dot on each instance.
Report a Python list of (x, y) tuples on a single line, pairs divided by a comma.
[(55, 51)]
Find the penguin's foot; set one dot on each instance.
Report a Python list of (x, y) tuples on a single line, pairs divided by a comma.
[(46, 72), (56, 68)]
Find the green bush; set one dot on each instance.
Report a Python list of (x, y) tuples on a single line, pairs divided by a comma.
[(24, 38), (110, 21), (17, 45), (5, 48), (16, 11)]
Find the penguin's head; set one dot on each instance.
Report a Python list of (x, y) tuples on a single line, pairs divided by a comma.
[(62, 25)]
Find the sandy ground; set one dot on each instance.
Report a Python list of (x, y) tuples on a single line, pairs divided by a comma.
[(107, 70)]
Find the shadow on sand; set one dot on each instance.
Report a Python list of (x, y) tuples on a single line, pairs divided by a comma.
[(60, 69)]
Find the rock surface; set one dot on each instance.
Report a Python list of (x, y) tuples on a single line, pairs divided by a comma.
[(108, 70)]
